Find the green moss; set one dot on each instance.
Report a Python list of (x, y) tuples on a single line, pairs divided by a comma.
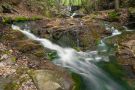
[(77, 48), (39, 52), (7, 20), (21, 18), (113, 16), (6, 52), (13, 59), (11, 86)]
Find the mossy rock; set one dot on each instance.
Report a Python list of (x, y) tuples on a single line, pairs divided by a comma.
[(10, 20), (26, 46), (21, 18), (12, 36), (89, 38), (39, 52)]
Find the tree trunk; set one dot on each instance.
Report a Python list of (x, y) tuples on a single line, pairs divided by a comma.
[(117, 2), (96, 5)]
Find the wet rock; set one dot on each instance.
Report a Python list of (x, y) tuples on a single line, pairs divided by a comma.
[(130, 44), (126, 55), (26, 46), (50, 80)]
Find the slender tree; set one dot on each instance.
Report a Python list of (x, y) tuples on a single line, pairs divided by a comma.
[(117, 3)]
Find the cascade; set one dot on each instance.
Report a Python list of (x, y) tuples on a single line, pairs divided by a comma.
[(82, 63)]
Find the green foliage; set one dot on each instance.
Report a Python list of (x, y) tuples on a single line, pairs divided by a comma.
[(113, 16), (53, 55), (45, 7), (79, 85), (88, 5)]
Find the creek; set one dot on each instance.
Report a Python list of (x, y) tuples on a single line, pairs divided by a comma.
[(84, 64)]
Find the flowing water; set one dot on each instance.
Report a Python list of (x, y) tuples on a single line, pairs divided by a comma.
[(82, 63)]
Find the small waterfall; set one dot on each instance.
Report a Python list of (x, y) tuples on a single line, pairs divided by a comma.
[(81, 63), (126, 29), (113, 30)]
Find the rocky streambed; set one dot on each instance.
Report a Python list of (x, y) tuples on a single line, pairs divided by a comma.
[(26, 65)]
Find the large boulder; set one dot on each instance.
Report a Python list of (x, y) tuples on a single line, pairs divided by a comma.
[(50, 80)]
